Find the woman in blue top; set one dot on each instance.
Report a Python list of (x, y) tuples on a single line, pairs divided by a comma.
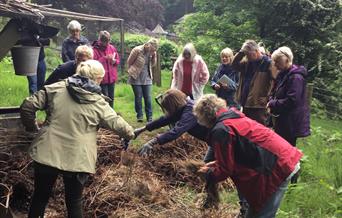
[(226, 88)]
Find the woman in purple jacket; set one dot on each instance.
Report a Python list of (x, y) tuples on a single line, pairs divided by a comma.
[(288, 102)]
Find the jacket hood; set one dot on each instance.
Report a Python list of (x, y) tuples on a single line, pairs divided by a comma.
[(295, 69), (83, 90)]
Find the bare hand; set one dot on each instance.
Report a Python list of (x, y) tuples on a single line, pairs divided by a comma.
[(217, 86)]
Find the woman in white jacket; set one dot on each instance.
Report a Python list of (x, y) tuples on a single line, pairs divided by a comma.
[(190, 73)]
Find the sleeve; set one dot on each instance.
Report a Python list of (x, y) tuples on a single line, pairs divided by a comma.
[(215, 78), (58, 74), (224, 156), (65, 56), (295, 86), (186, 122), (30, 106), (111, 120), (156, 124), (204, 73), (132, 57), (237, 64), (98, 57), (117, 57)]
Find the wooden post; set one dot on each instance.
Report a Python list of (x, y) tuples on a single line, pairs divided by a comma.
[(156, 71), (122, 46)]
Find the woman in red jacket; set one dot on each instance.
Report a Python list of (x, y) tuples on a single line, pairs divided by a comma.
[(107, 54), (259, 161)]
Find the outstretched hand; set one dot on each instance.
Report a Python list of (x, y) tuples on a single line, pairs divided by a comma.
[(147, 148)]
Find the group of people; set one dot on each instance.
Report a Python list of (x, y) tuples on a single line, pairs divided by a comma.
[(250, 86), (252, 89)]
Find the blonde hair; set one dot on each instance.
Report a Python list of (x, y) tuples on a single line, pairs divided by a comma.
[(91, 69), (173, 100), (84, 50), (74, 25), (206, 108), (283, 52), (228, 53)]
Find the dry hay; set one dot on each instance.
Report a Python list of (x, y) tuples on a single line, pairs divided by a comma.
[(124, 185)]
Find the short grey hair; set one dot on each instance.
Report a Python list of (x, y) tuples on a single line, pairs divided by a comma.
[(250, 45), (74, 25), (283, 52), (206, 108), (92, 69)]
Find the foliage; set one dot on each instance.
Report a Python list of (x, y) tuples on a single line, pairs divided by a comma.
[(167, 48), (148, 13), (175, 9), (311, 28), (211, 33), (317, 193)]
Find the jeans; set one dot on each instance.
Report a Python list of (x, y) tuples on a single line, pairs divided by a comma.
[(108, 90), (44, 180), (271, 207), (141, 91), (36, 82)]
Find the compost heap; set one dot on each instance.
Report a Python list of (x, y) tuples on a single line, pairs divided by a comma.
[(125, 185)]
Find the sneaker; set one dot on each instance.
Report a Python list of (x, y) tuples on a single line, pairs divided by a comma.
[(140, 120), (149, 119)]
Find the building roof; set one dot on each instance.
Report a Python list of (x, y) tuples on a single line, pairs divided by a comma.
[(159, 30)]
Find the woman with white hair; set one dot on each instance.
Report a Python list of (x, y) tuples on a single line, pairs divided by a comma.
[(190, 73), (140, 62), (73, 41), (288, 102), (66, 143)]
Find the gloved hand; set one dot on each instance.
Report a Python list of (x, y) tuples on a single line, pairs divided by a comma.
[(146, 149), (138, 131)]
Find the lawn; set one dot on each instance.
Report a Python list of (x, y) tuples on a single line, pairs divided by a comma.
[(319, 191)]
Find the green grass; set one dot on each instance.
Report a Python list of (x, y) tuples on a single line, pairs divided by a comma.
[(319, 191)]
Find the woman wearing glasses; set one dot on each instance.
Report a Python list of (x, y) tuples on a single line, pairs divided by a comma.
[(288, 102)]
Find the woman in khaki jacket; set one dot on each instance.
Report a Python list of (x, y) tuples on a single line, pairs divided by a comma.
[(66, 144)]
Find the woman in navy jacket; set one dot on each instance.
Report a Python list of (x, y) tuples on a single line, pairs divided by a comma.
[(178, 111)]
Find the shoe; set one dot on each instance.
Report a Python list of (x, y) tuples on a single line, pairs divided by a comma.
[(140, 120), (149, 119)]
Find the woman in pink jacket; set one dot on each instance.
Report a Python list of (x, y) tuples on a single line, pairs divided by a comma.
[(190, 73), (107, 54)]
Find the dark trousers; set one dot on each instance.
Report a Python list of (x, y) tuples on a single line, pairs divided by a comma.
[(36, 82), (44, 180), (108, 90)]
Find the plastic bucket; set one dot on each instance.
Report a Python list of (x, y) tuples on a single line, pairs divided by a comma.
[(25, 60)]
